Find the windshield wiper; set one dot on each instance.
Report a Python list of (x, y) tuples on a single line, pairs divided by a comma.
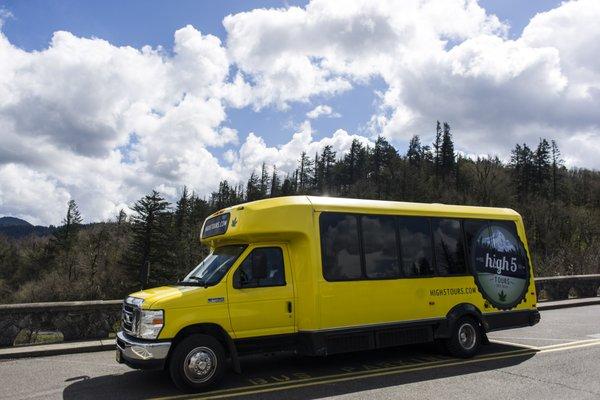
[(198, 282)]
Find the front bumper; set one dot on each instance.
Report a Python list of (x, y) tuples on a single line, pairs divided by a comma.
[(141, 354)]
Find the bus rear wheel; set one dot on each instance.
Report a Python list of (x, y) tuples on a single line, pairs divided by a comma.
[(465, 339), (197, 362)]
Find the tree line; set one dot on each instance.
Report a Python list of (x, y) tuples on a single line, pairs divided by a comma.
[(158, 242)]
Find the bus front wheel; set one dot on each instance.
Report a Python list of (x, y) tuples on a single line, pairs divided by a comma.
[(197, 362), (465, 339)]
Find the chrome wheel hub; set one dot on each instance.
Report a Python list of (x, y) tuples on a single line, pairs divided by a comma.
[(200, 364), (467, 336)]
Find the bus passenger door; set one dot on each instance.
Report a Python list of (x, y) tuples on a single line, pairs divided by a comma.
[(261, 293)]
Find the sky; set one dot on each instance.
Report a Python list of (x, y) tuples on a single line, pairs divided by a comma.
[(101, 102)]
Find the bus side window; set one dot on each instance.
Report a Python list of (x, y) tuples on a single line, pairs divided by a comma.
[(472, 226), (340, 247), (449, 246), (380, 246), (271, 262), (415, 246)]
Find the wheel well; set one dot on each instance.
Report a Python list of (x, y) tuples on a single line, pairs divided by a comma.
[(213, 330), (444, 330)]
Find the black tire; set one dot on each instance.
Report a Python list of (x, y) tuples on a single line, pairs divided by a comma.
[(202, 352), (465, 339)]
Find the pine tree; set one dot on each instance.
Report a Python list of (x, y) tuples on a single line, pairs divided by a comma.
[(542, 165), (182, 213), (288, 187), (305, 173), (319, 174), (448, 158), (327, 161), (150, 250), (522, 164), (264, 182), (437, 149), (122, 217), (253, 191), (65, 238), (381, 168), (353, 164), (182, 232), (275, 184), (414, 152), (557, 163), (226, 196)]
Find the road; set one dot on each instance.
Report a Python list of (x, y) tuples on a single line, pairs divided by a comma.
[(556, 359)]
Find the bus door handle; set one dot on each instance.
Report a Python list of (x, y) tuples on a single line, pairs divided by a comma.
[(289, 307)]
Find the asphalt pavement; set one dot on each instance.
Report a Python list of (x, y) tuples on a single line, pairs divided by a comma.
[(555, 359)]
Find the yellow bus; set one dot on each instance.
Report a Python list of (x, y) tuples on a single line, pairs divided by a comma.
[(324, 275)]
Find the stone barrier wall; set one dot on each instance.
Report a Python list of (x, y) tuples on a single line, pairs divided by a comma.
[(80, 320), (75, 320), (566, 287)]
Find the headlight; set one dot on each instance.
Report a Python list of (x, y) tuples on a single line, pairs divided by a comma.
[(151, 322), (136, 301)]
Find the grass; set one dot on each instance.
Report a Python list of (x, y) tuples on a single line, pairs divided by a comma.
[(26, 337)]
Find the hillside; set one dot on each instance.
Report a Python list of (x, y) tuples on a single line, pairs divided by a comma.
[(12, 221), (17, 228)]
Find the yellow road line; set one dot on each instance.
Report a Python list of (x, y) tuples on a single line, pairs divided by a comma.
[(240, 391), (551, 349), (570, 343), (318, 379), (364, 375), (514, 344)]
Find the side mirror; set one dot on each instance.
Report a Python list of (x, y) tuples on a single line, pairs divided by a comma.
[(259, 266)]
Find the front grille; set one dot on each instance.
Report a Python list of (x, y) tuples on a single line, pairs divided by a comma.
[(130, 318)]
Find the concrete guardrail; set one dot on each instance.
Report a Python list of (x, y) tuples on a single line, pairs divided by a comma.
[(80, 320), (73, 320), (566, 287)]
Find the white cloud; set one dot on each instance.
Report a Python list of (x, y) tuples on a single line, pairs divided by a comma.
[(31, 195), (104, 124), (254, 151), (68, 112), (322, 110), (440, 59), (295, 53)]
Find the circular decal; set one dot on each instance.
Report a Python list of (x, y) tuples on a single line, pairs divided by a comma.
[(500, 266)]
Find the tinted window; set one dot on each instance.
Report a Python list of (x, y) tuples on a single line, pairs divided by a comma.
[(471, 228), (380, 247), (449, 249), (272, 257), (415, 246), (340, 246)]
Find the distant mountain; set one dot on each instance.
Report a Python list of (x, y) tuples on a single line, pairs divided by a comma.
[(499, 243), (17, 228), (12, 221)]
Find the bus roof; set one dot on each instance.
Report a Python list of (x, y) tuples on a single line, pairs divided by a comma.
[(339, 204)]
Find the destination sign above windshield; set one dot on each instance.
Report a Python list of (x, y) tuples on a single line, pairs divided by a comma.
[(216, 225)]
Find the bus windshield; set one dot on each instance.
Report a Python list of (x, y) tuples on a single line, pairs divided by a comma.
[(212, 269)]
